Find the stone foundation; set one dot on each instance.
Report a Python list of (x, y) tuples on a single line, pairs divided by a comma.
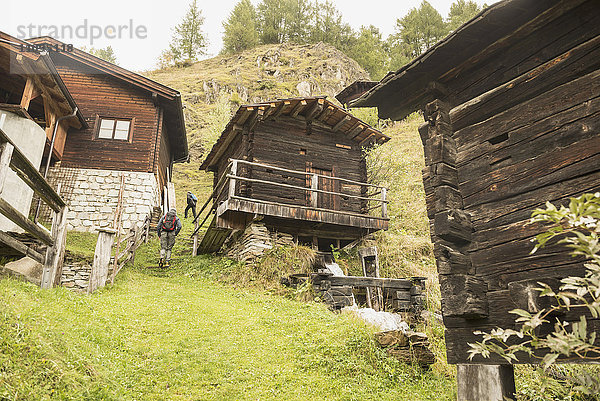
[(76, 272), (92, 196), (254, 241)]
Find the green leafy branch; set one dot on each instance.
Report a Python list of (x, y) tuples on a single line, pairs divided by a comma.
[(578, 227)]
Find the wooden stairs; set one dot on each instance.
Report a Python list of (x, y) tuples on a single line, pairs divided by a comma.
[(213, 238)]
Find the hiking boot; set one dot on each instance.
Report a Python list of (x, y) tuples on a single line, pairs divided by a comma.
[(160, 263)]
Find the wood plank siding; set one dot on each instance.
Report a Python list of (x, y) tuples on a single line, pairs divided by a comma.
[(511, 122), (101, 95), (284, 146)]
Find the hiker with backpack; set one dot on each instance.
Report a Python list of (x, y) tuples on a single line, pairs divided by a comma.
[(191, 204), (168, 228)]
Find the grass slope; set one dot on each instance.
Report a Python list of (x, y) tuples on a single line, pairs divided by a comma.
[(157, 336)]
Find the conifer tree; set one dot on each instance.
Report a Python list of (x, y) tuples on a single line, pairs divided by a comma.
[(240, 28), (417, 31), (188, 41), (460, 12)]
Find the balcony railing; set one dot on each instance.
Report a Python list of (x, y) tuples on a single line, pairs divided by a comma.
[(372, 196)]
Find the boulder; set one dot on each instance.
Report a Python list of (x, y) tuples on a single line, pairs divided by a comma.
[(26, 269)]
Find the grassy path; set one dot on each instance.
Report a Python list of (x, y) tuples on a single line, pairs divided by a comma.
[(179, 338)]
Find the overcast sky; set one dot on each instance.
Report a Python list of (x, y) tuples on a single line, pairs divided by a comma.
[(146, 25)]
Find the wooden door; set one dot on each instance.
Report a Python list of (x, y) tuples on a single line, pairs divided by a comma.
[(324, 201)]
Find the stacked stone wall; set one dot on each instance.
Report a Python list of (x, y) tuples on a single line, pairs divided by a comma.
[(254, 241), (92, 196)]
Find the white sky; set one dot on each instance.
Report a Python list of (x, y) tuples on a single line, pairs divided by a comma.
[(158, 17)]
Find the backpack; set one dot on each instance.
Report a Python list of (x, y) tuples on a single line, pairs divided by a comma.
[(168, 223)]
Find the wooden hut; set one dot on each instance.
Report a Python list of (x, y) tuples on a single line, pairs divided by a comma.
[(134, 132), (511, 110), (298, 166)]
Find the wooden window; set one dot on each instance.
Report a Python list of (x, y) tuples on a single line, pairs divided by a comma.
[(114, 128)]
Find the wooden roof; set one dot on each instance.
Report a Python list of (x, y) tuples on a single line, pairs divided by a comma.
[(354, 91), (169, 98), (17, 61), (318, 110), (486, 35)]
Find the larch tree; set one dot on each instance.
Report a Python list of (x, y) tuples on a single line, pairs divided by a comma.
[(283, 21), (240, 28), (188, 41), (367, 49), (460, 12), (416, 32)]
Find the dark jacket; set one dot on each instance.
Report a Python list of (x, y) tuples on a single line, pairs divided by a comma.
[(191, 199), (159, 227)]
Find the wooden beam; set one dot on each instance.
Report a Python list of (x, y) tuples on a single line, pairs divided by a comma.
[(16, 217), (247, 112), (315, 108), (326, 113), (280, 108), (356, 281), (298, 108), (356, 130), (251, 122), (339, 124), (21, 247), (29, 93)]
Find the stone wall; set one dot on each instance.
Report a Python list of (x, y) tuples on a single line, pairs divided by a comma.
[(76, 272), (251, 243), (92, 196)]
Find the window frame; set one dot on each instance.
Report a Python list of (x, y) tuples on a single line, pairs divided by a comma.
[(115, 120)]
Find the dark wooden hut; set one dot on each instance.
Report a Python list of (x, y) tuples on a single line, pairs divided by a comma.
[(299, 164), (512, 116)]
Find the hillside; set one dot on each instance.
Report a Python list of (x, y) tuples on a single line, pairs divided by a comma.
[(213, 89)]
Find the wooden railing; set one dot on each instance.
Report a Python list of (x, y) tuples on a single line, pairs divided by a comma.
[(105, 247), (133, 239), (12, 158), (227, 185)]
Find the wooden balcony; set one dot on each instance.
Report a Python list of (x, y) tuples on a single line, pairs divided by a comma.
[(232, 201)]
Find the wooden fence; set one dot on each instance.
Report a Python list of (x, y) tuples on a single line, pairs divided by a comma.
[(12, 158), (104, 250)]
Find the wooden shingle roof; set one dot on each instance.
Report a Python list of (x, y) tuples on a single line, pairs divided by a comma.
[(317, 109)]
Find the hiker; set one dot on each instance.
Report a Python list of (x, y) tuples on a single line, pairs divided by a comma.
[(168, 228), (191, 204)]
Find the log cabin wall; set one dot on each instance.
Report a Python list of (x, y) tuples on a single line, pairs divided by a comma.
[(512, 116), (100, 95), (493, 157), (289, 143)]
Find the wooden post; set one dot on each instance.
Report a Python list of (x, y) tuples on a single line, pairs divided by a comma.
[(55, 254), (28, 93), (147, 229), (171, 197), (117, 226), (485, 382), (234, 165), (314, 185), (383, 203), (195, 246), (165, 201), (6, 151), (99, 274)]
